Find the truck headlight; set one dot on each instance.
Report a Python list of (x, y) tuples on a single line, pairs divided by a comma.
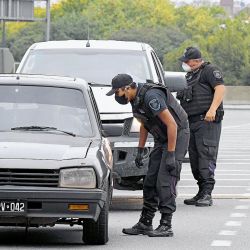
[(77, 178), (135, 127)]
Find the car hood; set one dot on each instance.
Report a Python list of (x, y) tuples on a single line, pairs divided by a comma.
[(108, 104), (44, 150)]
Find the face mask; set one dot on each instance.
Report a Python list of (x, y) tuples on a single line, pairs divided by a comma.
[(121, 99), (186, 67)]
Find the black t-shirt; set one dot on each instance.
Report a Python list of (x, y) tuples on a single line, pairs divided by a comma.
[(210, 75), (155, 100)]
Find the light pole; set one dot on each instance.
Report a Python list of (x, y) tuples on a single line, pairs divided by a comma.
[(48, 20)]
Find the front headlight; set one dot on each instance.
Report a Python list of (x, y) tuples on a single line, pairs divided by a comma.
[(77, 178), (135, 127)]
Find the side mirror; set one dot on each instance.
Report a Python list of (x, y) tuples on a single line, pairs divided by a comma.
[(6, 61), (175, 81)]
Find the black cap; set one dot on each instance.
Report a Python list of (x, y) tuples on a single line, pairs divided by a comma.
[(119, 81), (190, 53)]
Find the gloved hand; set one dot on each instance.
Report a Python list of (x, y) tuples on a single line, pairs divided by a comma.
[(170, 163), (139, 157)]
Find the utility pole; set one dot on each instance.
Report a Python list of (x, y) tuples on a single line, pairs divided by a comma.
[(48, 20)]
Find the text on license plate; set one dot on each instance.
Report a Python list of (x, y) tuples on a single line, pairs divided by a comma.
[(12, 206)]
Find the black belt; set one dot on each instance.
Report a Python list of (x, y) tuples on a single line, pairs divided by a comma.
[(196, 118)]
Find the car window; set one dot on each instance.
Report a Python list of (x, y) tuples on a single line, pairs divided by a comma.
[(98, 66), (62, 108)]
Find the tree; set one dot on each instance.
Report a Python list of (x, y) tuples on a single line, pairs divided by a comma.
[(162, 39)]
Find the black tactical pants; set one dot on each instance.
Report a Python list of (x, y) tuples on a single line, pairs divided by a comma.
[(203, 150), (159, 189)]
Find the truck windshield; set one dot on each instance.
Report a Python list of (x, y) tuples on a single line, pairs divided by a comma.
[(92, 65), (37, 106)]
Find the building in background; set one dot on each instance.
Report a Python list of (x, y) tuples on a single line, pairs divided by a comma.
[(232, 7)]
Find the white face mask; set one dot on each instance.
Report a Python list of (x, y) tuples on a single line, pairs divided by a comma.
[(186, 67)]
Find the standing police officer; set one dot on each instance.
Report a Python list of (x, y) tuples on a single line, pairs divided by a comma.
[(202, 100), (162, 116)]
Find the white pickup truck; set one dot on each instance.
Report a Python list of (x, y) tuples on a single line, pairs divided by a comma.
[(97, 62)]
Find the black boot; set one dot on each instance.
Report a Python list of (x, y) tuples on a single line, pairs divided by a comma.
[(144, 226), (192, 201), (165, 227), (204, 201)]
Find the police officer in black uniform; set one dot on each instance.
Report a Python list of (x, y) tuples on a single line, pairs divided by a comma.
[(202, 100), (162, 116)]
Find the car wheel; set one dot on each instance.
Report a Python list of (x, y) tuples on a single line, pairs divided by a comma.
[(96, 232)]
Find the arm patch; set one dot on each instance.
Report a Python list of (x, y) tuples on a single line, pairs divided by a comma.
[(154, 104)]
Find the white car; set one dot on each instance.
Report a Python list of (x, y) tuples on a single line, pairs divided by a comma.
[(98, 62)]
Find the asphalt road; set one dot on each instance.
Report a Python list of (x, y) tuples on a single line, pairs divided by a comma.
[(226, 225), (233, 166)]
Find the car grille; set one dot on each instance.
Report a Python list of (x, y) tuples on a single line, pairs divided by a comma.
[(29, 177)]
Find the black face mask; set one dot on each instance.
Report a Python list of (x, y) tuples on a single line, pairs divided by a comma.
[(121, 99)]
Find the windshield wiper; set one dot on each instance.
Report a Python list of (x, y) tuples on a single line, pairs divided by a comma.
[(42, 128)]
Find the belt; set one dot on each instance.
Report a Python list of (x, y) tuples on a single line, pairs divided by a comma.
[(196, 118)]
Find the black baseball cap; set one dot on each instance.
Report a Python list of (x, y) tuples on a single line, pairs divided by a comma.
[(119, 81), (190, 53)]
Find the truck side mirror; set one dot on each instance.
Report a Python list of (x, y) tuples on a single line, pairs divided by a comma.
[(6, 61), (175, 81)]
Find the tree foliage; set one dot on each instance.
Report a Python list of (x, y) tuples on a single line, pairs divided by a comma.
[(169, 30)]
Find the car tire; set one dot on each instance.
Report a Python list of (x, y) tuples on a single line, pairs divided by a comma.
[(96, 232)]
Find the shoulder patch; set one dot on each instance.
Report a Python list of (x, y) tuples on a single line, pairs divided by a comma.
[(155, 104), (217, 74)]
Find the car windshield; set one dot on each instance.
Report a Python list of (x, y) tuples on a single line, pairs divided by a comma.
[(62, 109), (98, 66)]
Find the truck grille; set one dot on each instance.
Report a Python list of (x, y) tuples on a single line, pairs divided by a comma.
[(29, 177)]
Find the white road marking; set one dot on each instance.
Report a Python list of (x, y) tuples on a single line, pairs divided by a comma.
[(224, 174), (233, 223), (238, 215), (234, 163), (236, 126), (242, 207), (221, 243), (227, 232), (217, 186), (223, 170), (220, 179), (246, 194)]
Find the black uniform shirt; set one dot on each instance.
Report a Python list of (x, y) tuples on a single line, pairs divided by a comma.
[(155, 100), (210, 75)]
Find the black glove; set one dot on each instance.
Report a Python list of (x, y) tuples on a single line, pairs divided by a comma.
[(170, 163), (139, 157)]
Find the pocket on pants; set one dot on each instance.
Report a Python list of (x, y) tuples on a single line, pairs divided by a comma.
[(210, 148)]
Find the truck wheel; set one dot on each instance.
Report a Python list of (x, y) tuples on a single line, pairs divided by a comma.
[(96, 232)]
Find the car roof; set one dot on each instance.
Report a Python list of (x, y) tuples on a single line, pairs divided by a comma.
[(43, 80), (94, 44)]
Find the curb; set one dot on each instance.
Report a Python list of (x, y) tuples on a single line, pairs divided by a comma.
[(135, 202), (236, 106)]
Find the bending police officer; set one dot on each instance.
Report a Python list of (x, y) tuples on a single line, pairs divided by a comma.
[(202, 100), (161, 115)]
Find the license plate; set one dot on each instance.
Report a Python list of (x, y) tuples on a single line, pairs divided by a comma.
[(12, 206)]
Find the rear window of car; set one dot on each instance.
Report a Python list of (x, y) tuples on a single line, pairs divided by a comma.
[(62, 108), (92, 65)]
